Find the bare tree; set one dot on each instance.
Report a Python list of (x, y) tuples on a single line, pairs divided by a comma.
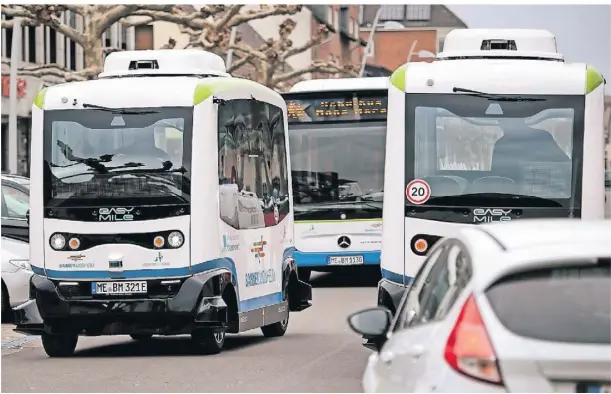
[(97, 19), (269, 60)]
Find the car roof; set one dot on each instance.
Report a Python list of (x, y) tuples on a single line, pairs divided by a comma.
[(529, 233), (535, 243)]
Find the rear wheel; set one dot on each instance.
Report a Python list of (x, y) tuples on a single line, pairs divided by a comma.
[(59, 345), (141, 337), (208, 341), (6, 306), (304, 274)]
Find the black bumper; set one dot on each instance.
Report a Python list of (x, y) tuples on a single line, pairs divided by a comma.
[(50, 311)]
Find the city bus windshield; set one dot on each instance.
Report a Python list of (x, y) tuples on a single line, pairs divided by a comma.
[(480, 151), (337, 144), (99, 157)]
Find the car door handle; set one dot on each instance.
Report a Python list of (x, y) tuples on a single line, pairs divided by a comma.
[(387, 357)]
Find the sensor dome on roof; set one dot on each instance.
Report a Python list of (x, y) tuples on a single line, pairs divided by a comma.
[(163, 62)]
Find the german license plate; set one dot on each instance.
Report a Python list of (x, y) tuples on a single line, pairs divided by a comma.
[(118, 287), (595, 388), (346, 260)]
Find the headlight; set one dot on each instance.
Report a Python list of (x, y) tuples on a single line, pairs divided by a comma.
[(74, 243), (23, 264), (58, 241), (176, 239)]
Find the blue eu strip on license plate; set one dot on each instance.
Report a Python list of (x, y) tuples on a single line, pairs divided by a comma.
[(597, 388)]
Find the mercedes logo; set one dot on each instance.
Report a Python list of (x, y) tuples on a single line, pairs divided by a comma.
[(343, 242)]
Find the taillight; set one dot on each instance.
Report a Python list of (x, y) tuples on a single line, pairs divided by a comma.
[(469, 349)]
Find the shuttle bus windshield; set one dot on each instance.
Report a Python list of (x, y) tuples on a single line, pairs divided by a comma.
[(338, 140)]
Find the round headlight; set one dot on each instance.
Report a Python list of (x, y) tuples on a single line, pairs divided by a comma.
[(159, 241), (74, 243), (58, 241), (175, 239)]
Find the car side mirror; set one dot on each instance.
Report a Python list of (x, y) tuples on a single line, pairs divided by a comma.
[(27, 217), (371, 323)]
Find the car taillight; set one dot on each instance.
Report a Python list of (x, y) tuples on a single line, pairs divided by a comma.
[(469, 350)]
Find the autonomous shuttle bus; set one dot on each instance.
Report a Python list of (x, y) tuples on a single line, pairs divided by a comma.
[(151, 211), (497, 128), (337, 132)]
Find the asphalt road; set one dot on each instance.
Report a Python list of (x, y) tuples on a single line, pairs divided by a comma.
[(319, 353)]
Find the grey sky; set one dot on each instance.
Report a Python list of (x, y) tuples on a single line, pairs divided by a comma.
[(583, 32)]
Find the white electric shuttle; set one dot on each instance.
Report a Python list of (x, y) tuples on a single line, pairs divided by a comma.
[(151, 211), (498, 128), (337, 131)]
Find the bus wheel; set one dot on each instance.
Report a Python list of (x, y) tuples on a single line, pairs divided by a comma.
[(210, 342), (277, 329), (59, 345), (304, 274), (141, 337)]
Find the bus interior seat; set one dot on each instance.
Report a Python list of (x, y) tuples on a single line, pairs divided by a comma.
[(445, 185)]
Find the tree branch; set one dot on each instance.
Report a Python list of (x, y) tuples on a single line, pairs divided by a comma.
[(48, 15), (316, 66), (248, 50), (321, 34), (114, 15), (233, 11), (54, 71), (279, 9), (236, 65)]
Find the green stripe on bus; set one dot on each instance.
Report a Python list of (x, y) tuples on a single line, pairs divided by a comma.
[(39, 100), (398, 78), (215, 85), (593, 79)]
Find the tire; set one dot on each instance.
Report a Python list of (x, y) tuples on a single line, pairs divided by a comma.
[(141, 337), (208, 341), (59, 345), (6, 306), (303, 274), (277, 329)]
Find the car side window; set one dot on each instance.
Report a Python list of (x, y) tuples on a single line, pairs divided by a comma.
[(15, 203), (449, 278), (412, 300)]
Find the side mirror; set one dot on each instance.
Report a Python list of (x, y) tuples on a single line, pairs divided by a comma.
[(27, 217), (370, 323)]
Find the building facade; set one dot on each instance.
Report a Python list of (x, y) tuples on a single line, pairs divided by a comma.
[(401, 25), (42, 45)]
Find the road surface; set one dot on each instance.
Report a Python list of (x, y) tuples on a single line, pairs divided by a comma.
[(319, 353)]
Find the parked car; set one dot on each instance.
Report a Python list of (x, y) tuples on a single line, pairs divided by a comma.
[(515, 307), (15, 206), (16, 273)]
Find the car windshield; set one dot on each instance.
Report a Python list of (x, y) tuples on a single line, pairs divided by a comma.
[(95, 155), (15, 203), (337, 141), (465, 146)]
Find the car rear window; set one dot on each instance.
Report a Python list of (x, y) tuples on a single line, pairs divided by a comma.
[(570, 304)]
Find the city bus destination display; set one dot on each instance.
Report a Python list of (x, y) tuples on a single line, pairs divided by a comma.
[(349, 107)]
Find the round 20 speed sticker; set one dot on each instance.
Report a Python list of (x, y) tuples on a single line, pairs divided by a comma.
[(418, 191)]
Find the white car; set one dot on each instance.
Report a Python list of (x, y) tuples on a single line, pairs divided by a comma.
[(16, 274), (523, 306)]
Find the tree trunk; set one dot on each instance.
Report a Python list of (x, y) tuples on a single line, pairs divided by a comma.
[(94, 56)]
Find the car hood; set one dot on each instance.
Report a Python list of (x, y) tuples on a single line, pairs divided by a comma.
[(13, 249)]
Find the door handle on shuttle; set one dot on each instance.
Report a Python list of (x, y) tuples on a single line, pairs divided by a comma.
[(386, 357)]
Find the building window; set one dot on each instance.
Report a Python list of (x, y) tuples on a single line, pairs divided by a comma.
[(418, 12), (144, 37), (392, 13)]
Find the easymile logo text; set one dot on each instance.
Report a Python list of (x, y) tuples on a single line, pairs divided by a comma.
[(116, 214), (260, 277), (491, 215)]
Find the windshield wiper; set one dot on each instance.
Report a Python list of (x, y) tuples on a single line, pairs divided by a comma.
[(121, 111), (93, 163), (476, 199), (495, 97)]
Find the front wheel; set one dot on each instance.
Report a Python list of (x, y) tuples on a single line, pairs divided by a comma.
[(208, 341), (6, 306), (59, 345)]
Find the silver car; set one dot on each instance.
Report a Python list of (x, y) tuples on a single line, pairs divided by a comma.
[(516, 307)]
